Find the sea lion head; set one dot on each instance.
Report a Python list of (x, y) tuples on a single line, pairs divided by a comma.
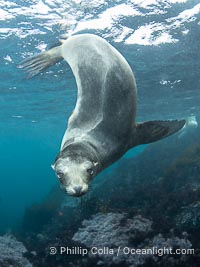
[(75, 174)]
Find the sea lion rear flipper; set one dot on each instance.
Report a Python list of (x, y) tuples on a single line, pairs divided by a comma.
[(36, 64), (151, 131)]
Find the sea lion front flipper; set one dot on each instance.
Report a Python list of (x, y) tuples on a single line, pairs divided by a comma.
[(151, 131), (36, 64)]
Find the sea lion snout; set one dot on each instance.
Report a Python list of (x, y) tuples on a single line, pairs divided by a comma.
[(74, 186), (77, 191)]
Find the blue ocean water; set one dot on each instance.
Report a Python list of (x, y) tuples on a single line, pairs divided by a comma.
[(159, 39)]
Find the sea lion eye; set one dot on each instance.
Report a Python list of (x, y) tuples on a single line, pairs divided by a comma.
[(60, 175), (90, 171)]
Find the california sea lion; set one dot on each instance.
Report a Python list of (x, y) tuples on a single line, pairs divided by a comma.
[(102, 126)]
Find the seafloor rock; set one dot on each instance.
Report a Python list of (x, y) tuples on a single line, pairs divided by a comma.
[(111, 229), (12, 252), (119, 237), (172, 258), (189, 217)]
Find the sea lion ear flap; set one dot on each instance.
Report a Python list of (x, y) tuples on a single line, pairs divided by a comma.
[(95, 163), (151, 131)]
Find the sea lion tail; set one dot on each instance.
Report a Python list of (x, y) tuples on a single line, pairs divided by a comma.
[(151, 131), (36, 64)]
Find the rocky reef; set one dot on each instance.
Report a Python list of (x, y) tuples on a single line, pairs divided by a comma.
[(114, 238), (12, 252)]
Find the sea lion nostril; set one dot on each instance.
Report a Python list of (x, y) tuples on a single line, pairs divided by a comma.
[(78, 189)]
